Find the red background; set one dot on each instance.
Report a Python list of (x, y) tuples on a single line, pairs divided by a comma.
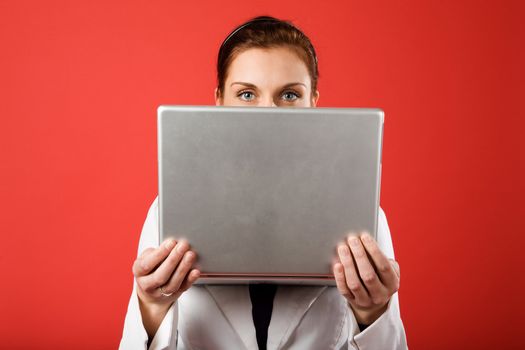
[(79, 85)]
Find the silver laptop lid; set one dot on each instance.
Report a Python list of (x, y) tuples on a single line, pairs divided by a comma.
[(267, 193)]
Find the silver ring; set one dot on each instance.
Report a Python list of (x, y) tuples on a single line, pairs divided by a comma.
[(165, 294)]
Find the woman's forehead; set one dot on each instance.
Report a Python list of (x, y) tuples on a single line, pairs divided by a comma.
[(268, 67)]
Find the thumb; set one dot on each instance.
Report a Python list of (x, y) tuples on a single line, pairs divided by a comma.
[(395, 265)]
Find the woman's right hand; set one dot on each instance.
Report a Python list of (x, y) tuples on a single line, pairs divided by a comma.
[(168, 267)]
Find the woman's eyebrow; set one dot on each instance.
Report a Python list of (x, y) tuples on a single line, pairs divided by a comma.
[(254, 86), (293, 84), (243, 83)]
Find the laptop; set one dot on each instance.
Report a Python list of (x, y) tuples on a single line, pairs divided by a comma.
[(265, 194)]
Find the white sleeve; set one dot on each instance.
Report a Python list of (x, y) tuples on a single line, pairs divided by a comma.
[(387, 332), (134, 335)]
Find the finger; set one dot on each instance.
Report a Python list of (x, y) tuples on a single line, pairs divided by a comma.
[(152, 257), (182, 270), (395, 265), (340, 281), (383, 266), (190, 278), (352, 278), (365, 268), (163, 273), (137, 267)]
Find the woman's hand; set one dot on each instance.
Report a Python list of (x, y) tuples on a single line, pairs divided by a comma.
[(365, 277), (162, 275)]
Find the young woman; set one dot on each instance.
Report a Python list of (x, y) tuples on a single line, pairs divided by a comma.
[(264, 62)]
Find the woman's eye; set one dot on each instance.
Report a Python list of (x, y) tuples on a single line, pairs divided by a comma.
[(290, 96), (246, 95)]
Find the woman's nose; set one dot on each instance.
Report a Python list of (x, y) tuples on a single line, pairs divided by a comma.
[(269, 102)]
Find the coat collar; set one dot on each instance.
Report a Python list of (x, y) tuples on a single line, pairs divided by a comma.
[(235, 304), (289, 306)]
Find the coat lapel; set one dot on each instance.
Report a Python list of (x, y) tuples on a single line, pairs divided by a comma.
[(236, 306), (289, 306)]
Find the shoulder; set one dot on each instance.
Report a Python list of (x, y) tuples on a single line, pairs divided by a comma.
[(149, 236), (154, 207), (384, 238)]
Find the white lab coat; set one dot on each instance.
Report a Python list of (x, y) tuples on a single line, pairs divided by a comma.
[(219, 317)]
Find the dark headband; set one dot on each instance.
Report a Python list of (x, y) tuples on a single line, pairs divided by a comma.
[(258, 20), (249, 23)]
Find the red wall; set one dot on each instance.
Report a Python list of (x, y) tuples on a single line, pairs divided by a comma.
[(79, 85)]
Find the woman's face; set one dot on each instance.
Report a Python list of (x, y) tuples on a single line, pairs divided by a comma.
[(274, 77)]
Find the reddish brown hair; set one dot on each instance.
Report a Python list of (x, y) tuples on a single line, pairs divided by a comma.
[(266, 32)]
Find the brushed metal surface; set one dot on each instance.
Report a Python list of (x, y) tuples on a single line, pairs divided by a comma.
[(267, 192)]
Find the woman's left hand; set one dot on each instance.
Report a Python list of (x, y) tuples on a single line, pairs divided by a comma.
[(365, 277)]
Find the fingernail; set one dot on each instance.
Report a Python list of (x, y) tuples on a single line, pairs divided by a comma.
[(339, 268), (189, 256), (181, 247), (170, 244), (354, 242), (343, 251), (366, 237)]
